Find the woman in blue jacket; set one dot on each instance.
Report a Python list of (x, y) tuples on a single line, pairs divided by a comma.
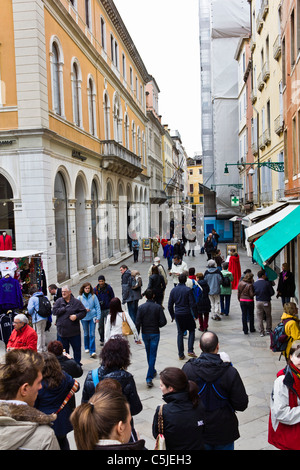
[(91, 303)]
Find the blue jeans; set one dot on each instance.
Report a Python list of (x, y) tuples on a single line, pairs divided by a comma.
[(180, 335), (132, 309), (225, 306), (151, 345), (89, 327), (75, 342), (229, 446)]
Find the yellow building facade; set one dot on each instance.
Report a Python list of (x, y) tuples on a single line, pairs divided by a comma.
[(73, 128), (267, 123)]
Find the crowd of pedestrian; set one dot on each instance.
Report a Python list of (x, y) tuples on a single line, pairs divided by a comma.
[(38, 383)]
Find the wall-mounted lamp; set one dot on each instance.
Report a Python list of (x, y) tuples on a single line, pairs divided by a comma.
[(275, 166)]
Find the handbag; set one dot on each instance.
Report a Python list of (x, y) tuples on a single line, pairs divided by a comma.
[(126, 330), (160, 443)]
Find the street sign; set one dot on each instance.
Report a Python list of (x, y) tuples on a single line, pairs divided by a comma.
[(235, 201)]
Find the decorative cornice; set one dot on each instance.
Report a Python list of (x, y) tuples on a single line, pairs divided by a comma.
[(118, 23)]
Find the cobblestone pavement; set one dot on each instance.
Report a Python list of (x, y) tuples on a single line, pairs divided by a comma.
[(250, 354)]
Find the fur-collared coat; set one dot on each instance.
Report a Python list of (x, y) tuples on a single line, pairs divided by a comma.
[(23, 427)]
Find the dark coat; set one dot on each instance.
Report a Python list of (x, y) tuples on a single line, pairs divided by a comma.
[(158, 285), (286, 288), (204, 305), (70, 366), (221, 425), (126, 284), (150, 318), (185, 306), (126, 380), (183, 425), (104, 294), (62, 309), (50, 399)]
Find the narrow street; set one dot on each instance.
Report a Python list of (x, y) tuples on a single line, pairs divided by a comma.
[(251, 355)]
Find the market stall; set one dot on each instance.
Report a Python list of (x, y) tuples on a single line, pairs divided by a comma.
[(19, 271)]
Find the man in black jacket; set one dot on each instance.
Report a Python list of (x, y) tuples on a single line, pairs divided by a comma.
[(69, 311), (183, 299), (150, 317), (222, 392)]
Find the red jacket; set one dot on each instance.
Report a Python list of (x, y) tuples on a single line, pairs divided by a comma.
[(286, 437), (5, 243), (25, 338)]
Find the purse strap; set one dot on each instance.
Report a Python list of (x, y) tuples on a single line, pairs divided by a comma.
[(160, 420), (70, 394)]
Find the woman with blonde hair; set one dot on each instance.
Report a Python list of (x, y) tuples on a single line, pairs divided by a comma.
[(103, 423), (291, 325)]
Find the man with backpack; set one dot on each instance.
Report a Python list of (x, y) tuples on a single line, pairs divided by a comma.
[(222, 393), (226, 290), (263, 291), (39, 308)]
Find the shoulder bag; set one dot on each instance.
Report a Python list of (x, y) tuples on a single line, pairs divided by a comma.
[(126, 330)]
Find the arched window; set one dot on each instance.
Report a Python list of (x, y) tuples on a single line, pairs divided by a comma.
[(92, 106), (57, 62), (61, 229), (106, 107), (117, 120), (126, 130), (133, 132), (76, 94)]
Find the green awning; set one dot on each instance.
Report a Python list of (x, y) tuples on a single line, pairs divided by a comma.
[(273, 241)]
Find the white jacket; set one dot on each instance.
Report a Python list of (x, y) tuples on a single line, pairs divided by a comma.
[(178, 269), (116, 329), (281, 412)]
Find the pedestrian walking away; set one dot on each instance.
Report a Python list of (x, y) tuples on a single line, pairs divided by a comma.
[(39, 322), (150, 318), (263, 292), (157, 285), (183, 414), (234, 267), (182, 298), (246, 299), (214, 279), (115, 321), (226, 290), (203, 305), (53, 397), (221, 391)]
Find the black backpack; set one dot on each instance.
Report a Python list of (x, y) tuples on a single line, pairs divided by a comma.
[(278, 338), (226, 282), (44, 306)]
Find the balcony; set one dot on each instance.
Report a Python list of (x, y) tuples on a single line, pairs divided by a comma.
[(277, 48), (157, 196), (264, 9), (261, 142), (254, 148), (253, 96), (267, 137), (260, 82), (259, 23), (116, 158), (266, 71), (278, 125)]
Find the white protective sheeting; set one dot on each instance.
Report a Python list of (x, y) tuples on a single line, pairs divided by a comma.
[(230, 18)]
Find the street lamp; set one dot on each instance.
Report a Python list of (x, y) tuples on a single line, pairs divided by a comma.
[(275, 166)]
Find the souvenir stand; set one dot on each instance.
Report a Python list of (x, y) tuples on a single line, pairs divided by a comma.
[(19, 271)]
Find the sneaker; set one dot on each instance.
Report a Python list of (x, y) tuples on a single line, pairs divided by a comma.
[(192, 354), (87, 350), (93, 355)]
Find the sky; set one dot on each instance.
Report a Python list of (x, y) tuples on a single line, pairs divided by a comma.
[(166, 35)]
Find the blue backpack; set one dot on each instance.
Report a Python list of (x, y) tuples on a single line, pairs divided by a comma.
[(197, 291)]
